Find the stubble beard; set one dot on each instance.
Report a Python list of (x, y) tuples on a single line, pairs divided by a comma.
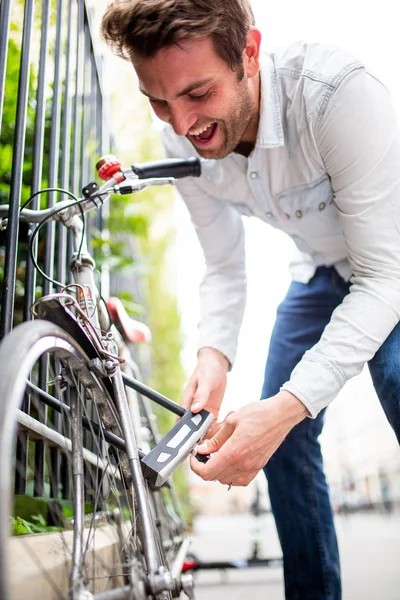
[(232, 128)]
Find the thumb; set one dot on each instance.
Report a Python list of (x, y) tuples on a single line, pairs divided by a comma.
[(223, 434)]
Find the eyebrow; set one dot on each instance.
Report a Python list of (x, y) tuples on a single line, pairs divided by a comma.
[(186, 90)]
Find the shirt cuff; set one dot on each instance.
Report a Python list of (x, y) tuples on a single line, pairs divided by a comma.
[(228, 349), (315, 384)]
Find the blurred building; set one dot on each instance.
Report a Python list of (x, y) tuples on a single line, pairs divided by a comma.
[(361, 453)]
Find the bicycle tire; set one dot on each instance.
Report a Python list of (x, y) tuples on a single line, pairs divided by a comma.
[(112, 512)]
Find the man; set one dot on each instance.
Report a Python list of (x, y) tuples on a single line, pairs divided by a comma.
[(306, 140)]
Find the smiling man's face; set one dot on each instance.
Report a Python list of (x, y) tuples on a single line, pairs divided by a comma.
[(193, 89)]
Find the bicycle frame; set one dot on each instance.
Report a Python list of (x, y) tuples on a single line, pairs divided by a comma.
[(94, 321), (82, 266)]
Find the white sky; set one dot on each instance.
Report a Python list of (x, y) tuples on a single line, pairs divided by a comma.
[(370, 31)]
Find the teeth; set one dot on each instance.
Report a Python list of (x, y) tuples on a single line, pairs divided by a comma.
[(199, 131)]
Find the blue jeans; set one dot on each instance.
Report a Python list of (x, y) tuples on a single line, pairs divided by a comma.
[(297, 486)]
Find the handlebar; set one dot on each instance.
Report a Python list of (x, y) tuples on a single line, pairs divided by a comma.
[(174, 167), (117, 180), (108, 166)]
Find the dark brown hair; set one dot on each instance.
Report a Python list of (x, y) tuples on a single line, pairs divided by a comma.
[(138, 29)]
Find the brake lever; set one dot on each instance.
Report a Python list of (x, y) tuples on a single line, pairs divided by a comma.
[(139, 185)]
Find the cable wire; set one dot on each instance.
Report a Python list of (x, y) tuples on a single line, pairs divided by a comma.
[(50, 216), (36, 232), (61, 190)]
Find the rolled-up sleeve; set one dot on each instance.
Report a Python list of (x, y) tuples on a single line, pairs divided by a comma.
[(359, 143), (220, 231)]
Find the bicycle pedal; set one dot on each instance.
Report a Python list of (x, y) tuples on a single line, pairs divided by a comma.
[(175, 446)]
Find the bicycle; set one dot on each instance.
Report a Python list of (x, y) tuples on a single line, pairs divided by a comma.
[(122, 532)]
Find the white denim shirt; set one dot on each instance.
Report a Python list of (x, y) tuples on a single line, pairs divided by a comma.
[(326, 170)]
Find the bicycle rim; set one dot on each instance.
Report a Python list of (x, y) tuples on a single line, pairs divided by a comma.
[(85, 484)]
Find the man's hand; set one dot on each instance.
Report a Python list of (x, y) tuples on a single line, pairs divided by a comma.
[(206, 387), (247, 438)]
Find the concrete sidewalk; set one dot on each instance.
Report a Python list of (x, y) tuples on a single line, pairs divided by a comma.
[(369, 546)]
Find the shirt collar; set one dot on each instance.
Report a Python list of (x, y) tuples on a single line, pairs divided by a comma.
[(270, 131)]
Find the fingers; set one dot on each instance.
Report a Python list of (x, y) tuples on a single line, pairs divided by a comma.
[(219, 438), (220, 461), (188, 393), (232, 461), (213, 430), (215, 467), (201, 395), (196, 394)]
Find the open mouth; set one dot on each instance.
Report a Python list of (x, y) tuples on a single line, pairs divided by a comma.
[(203, 137)]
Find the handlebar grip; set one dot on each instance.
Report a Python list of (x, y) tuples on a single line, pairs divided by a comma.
[(172, 167)]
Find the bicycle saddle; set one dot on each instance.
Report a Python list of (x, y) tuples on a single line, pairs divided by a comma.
[(131, 330)]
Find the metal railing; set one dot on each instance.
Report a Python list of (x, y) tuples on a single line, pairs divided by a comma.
[(57, 132)]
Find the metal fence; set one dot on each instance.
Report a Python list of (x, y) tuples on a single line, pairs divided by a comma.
[(51, 130)]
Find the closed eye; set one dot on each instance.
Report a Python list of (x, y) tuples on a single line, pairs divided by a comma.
[(200, 96), (155, 101)]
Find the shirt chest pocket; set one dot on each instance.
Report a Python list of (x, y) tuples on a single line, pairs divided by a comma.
[(309, 209)]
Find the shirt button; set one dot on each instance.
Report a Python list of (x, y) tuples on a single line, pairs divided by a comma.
[(253, 175), (322, 206), (299, 214), (269, 215)]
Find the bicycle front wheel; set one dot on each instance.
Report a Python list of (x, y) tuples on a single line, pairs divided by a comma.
[(70, 468)]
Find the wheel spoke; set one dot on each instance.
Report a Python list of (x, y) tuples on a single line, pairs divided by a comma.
[(109, 491)]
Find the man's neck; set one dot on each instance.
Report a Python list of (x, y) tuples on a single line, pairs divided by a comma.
[(244, 148), (246, 145)]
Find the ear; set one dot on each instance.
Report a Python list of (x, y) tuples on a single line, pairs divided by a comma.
[(251, 53)]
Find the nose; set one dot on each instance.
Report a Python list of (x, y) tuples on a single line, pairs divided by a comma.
[(181, 119)]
